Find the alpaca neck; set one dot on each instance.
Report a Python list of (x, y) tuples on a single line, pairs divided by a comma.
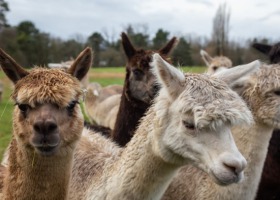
[(139, 173), (129, 114), (32, 176)]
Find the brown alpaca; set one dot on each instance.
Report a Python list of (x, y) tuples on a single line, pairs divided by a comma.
[(261, 92), (216, 63), (139, 89), (269, 187), (47, 124), (189, 123)]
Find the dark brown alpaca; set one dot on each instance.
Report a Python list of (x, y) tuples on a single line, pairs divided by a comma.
[(269, 187), (139, 88)]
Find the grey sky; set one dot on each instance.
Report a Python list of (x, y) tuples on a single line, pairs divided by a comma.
[(67, 18)]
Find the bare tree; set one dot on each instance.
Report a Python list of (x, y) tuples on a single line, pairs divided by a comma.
[(220, 34)]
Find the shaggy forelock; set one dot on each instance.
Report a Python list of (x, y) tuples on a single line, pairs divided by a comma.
[(212, 102), (47, 86)]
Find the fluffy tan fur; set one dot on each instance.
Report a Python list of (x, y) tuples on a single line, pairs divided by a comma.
[(260, 93), (47, 93)]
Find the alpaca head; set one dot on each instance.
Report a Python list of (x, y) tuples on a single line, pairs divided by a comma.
[(47, 117), (273, 52), (216, 63), (261, 91), (194, 115), (139, 79)]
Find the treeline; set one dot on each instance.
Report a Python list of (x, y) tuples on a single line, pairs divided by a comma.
[(29, 46)]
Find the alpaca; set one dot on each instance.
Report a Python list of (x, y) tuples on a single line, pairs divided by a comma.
[(100, 110), (189, 123), (47, 124), (102, 104), (215, 63), (261, 92), (139, 88), (269, 187)]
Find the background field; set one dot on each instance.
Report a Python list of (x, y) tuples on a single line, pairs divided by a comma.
[(104, 76)]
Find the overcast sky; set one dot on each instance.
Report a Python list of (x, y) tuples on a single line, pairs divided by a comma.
[(67, 18)]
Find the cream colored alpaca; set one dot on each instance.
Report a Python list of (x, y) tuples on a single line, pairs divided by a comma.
[(102, 104), (261, 92), (189, 123), (216, 63), (47, 124)]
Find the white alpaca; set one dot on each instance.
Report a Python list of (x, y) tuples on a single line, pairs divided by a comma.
[(189, 123), (261, 92)]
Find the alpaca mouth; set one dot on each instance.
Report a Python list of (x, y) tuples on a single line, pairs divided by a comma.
[(46, 150), (226, 178)]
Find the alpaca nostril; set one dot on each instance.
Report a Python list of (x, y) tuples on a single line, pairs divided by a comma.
[(236, 166), (44, 127), (50, 126)]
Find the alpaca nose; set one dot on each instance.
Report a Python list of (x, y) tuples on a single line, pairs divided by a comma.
[(235, 165), (45, 126)]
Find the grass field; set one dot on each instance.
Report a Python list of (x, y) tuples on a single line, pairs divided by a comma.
[(104, 76)]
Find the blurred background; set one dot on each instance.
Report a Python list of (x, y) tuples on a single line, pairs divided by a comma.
[(53, 31)]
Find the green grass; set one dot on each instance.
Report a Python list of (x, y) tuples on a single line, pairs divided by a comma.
[(96, 75)]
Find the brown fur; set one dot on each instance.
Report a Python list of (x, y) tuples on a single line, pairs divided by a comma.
[(139, 89), (45, 130)]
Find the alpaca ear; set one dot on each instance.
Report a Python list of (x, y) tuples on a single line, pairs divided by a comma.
[(82, 64), (166, 50), (169, 77), (206, 57), (14, 71), (127, 46), (238, 78), (264, 48)]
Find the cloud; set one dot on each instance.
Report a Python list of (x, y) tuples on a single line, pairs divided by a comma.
[(270, 15)]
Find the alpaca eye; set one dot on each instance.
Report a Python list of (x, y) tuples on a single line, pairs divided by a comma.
[(137, 73), (23, 107), (71, 106), (189, 125), (215, 68), (277, 92)]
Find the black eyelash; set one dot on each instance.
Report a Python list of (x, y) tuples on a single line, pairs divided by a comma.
[(189, 125), (23, 108), (277, 92), (71, 106)]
